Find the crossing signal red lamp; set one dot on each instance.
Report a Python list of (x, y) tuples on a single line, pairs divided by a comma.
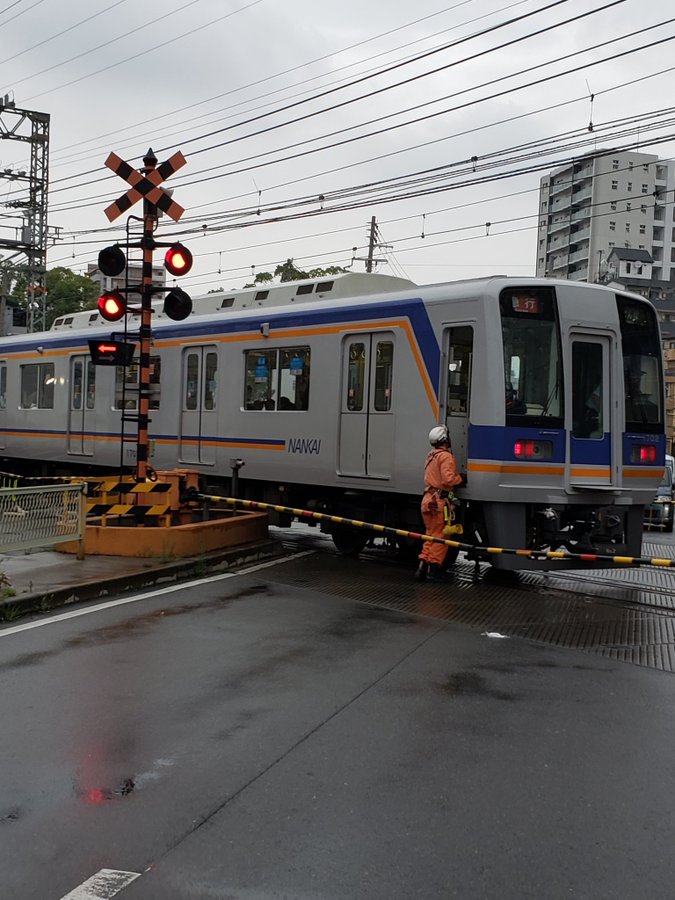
[(177, 304), (112, 260), (178, 260), (112, 306)]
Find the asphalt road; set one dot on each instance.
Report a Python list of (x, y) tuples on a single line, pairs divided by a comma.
[(256, 737)]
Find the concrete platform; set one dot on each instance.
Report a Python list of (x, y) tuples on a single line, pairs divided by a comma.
[(45, 579)]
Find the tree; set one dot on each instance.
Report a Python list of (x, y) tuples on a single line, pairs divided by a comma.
[(67, 293), (288, 271)]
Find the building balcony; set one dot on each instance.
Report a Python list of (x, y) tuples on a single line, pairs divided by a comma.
[(578, 255)]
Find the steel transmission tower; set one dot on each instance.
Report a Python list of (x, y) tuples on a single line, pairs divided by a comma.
[(29, 223)]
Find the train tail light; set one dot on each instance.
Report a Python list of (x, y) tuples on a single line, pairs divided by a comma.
[(528, 449)]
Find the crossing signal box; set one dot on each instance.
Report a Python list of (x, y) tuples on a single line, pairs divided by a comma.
[(177, 304), (112, 306), (112, 260), (178, 259), (111, 353)]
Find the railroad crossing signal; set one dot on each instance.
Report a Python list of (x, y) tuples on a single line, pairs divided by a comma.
[(145, 186), (111, 353)]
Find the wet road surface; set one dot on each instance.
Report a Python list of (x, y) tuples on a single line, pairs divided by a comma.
[(266, 735)]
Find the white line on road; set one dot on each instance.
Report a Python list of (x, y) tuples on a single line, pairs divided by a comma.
[(75, 613), (103, 885)]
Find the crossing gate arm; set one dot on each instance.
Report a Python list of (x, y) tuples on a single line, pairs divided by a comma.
[(399, 532)]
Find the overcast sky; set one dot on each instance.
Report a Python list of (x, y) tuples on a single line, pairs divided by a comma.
[(268, 101)]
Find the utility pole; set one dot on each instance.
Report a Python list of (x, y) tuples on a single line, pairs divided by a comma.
[(31, 238), (5, 282), (373, 246)]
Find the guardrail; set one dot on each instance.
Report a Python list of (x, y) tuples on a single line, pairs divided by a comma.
[(42, 516)]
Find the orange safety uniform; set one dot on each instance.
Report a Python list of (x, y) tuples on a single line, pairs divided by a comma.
[(440, 475)]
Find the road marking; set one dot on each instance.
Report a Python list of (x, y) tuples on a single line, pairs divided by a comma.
[(75, 613), (103, 885)]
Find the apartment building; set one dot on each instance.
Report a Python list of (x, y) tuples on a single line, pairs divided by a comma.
[(608, 218), (601, 201)]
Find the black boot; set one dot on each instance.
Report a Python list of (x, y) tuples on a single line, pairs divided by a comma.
[(421, 573), (434, 573)]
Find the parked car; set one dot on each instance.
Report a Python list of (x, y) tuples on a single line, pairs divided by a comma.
[(659, 513)]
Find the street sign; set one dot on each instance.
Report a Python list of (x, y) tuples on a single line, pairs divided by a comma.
[(145, 186)]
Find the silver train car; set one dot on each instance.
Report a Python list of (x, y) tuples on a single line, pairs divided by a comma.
[(320, 394)]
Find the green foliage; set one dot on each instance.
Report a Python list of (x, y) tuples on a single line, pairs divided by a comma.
[(288, 271), (68, 293)]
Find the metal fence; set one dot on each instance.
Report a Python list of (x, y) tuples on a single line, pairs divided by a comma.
[(42, 516)]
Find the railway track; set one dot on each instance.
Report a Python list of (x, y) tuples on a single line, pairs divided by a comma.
[(622, 614)]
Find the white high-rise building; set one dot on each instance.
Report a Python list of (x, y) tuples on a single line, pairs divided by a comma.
[(602, 201)]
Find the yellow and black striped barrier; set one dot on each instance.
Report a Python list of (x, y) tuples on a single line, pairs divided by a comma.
[(101, 505), (399, 532)]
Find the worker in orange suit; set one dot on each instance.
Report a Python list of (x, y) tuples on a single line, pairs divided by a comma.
[(440, 477)]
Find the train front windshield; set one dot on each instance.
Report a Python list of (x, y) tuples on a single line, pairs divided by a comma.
[(642, 372), (532, 358)]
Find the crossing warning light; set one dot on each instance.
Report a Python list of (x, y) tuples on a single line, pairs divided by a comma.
[(112, 260), (111, 353), (178, 259), (177, 304), (112, 306)]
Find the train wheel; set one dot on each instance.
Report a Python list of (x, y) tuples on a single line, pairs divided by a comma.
[(349, 541)]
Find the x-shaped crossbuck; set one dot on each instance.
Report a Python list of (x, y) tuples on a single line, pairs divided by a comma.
[(145, 186)]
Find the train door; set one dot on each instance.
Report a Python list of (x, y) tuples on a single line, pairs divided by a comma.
[(366, 446), (3, 403), (456, 400), (81, 406), (591, 448), (198, 424)]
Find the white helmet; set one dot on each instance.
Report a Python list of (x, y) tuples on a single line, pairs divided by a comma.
[(439, 435)]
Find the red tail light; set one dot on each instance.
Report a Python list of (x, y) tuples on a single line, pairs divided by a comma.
[(648, 454)]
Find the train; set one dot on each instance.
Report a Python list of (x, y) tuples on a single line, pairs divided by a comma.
[(320, 394)]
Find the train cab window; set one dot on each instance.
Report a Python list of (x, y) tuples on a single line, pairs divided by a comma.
[(384, 367), (641, 366), (277, 379), (533, 386), (37, 386)]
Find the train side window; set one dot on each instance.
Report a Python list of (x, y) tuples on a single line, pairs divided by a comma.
[(356, 376), (294, 378), (277, 379), (91, 385), (191, 381), (260, 379), (3, 387), (78, 371), (210, 380), (37, 386), (127, 379), (384, 368), (460, 355)]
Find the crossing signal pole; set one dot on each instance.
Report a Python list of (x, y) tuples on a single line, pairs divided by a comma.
[(144, 184)]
